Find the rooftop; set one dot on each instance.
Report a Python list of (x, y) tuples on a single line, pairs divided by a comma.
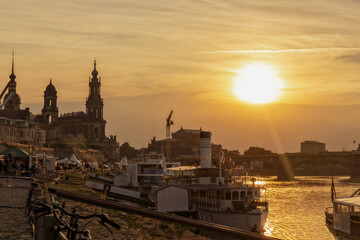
[(351, 201)]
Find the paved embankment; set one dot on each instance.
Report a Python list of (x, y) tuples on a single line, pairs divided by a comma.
[(13, 221)]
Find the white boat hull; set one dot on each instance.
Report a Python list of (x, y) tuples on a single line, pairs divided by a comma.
[(251, 221)]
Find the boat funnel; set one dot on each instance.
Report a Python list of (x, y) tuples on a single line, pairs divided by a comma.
[(205, 149)]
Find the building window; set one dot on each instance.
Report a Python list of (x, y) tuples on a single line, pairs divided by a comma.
[(242, 194), (235, 195), (227, 195)]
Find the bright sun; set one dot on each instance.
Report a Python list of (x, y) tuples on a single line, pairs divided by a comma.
[(257, 83)]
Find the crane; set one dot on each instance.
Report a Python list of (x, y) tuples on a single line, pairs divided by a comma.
[(169, 122)]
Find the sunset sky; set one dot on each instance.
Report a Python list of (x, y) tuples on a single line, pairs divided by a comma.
[(154, 56)]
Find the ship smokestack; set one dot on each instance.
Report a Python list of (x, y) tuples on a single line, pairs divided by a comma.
[(205, 149)]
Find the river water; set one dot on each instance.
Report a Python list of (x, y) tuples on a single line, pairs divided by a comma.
[(296, 208)]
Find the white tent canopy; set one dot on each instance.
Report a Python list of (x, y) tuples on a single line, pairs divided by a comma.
[(94, 165), (76, 161), (124, 161), (63, 161)]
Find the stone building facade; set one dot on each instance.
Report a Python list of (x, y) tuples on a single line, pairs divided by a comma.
[(17, 125), (185, 144), (78, 129)]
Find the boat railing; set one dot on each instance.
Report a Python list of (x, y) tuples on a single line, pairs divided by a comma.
[(329, 216), (206, 204)]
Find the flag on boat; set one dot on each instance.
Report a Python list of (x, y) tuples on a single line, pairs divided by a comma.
[(222, 158), (163, 164), (333, 192)]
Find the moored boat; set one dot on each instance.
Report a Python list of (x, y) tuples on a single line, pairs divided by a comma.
[(343, 219), (212, 198)]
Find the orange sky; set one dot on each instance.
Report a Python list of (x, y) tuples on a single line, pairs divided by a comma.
[(154, 56)]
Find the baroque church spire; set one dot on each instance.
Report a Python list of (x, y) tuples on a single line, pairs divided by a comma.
[(94, 72), (12, 76), (12, 83), (14, 100)]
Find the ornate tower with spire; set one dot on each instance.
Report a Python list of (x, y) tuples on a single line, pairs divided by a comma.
[(13, 103), (50, 110), (94, 109)]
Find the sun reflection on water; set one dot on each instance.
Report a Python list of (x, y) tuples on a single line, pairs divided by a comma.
[(259, 182), (268, 230)]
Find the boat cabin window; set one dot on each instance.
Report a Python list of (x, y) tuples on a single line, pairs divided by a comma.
[(355, 211), (228, 195), (235, 195), (202, 193), (217, 194), (249, 193), (242, 194), (344, 209), (222, 195)]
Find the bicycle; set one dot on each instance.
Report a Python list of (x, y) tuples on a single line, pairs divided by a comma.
[(71, 229)]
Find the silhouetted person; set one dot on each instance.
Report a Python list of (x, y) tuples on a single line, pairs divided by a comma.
[(7, 165)]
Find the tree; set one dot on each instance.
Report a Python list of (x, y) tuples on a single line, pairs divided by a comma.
[(257, 151), (127, 151)]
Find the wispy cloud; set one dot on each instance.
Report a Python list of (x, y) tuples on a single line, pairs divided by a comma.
[(292, 50), (354, 58)]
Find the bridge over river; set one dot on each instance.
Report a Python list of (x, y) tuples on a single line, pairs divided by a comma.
[(288, 165)]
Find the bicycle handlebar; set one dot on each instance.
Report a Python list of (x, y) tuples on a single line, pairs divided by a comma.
[(105, 218)]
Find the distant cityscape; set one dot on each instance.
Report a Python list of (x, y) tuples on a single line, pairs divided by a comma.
[(83, 133)]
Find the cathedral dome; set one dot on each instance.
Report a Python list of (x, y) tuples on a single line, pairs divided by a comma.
[(15, 100), (50, 89)]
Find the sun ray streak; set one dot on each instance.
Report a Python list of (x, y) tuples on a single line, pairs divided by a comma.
[(285, 162)]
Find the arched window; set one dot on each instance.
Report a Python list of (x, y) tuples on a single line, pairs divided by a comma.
[(249, 193), (217, 194), (235, 195), (96, 131), (227, 195), (242, 194)]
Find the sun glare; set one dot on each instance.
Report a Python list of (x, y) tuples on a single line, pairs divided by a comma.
[(257, 83)]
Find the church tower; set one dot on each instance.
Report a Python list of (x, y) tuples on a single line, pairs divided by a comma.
[(94, 108), (14, 101), (50, 110)]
